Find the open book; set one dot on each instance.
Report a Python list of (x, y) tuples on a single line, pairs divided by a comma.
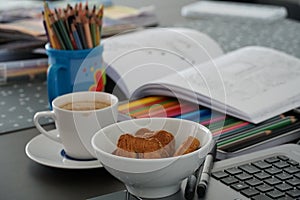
[(251, 83)]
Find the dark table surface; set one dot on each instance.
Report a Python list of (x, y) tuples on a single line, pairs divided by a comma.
[(22, 178)]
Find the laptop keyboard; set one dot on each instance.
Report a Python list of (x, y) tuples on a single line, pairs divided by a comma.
[(276, 177)]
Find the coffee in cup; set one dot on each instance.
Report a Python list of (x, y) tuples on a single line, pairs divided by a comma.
[(84, 105), (78, 116)]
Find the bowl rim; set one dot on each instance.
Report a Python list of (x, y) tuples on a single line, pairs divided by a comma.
[(206, 145)]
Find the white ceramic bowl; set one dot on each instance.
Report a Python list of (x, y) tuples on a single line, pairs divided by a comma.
[(152, 178)]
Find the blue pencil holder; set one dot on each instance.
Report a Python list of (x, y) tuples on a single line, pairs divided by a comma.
[(74, 70)]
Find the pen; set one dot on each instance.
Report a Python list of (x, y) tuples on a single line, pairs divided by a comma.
[(193, 179), (191, 183), (205, 175)]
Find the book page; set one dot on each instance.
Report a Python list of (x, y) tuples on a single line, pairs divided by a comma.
[(139, 57), (255, 83)]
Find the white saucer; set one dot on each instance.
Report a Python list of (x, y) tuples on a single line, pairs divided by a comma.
[(47, 152)]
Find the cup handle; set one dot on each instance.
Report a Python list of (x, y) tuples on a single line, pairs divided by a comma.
[(39, 115), (56, 81)]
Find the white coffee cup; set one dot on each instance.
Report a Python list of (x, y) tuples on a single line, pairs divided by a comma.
[(76, 128)]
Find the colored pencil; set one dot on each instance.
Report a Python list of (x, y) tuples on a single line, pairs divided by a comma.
[(52, 37), (257, 128), (213, 120), (140, 102), (55, 28), (144, 111), (132, 108), (62, 30), (271, 126), (276, 133), (87, 31), (168, 111), (45, 26), (88, 24), (244, 140), (80, 32), (100, 21), (93, 31), (97, 32), (195, 115), (222, 123), (227, 134), (230, 127), (76, 36)]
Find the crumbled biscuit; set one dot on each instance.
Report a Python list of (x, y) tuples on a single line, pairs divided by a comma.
[(189, 145), (142, 131), (153, 144)]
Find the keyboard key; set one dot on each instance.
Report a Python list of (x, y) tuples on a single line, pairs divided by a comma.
[(233, 171), (276, 177), (239, 186), (243, 176), (254, 182), (250, 192), (273, 170), (294, 182), (286, 198), (281, 164), (294, 193), (297, 175), (261, 197), (272, 181), (264, 188), (282, 157), (284, 187), (262, 175), (283, 176), (272, 160), (275, 194), (219, 175), (261, 164), (229, 180), (249, 169), (293, 162), (292, 170)]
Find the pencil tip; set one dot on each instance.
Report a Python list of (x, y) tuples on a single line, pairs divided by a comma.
[(268, 132), (293, 119)]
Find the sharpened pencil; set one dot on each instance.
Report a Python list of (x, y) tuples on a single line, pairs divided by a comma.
[(87, 32), (245, 139), (63, 32), (230, 127), (271, 126), (81, 33), (76, 36), (88, 24), (100, 16), (52, 37), (93, 31), (55, 28)]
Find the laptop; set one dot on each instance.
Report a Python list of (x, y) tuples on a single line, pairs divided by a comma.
[(272, 173)]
